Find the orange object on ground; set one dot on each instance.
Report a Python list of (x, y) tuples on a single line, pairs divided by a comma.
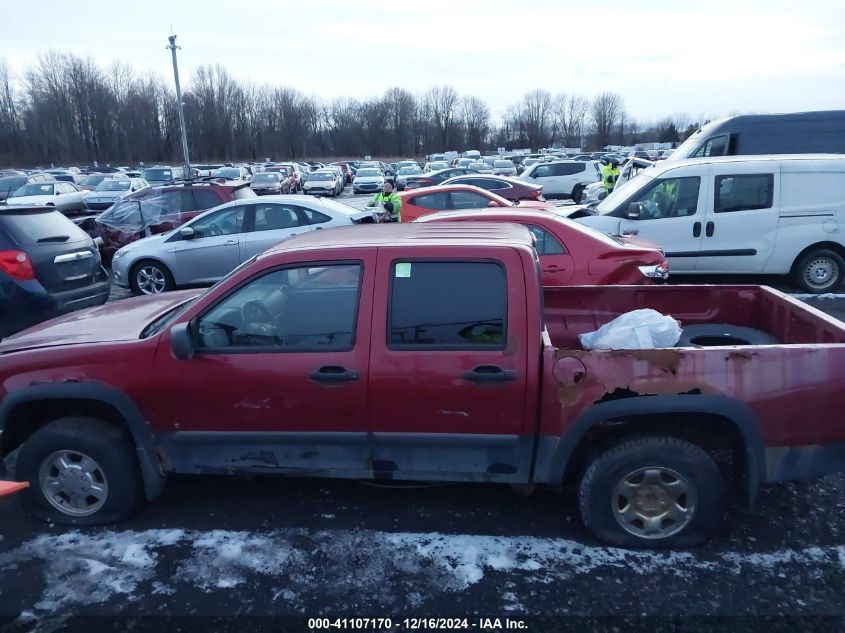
[(8, 488)]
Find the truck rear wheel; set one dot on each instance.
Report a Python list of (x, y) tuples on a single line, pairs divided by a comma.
[(652, 492), (81, 471)]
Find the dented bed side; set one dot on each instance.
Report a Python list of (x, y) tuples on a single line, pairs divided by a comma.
[(783, 401)]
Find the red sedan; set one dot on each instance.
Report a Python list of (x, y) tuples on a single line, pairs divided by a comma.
[(419, 202), (509, 188), (572, 254)]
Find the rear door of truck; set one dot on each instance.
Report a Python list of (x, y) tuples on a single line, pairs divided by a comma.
[(448, 366)]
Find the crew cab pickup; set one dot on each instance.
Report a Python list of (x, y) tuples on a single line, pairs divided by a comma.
[(424, 352)]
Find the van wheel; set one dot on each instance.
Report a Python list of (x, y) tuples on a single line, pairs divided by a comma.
[(577, 194), (149, 277), (653, 491), (81, 471), (819, 271)]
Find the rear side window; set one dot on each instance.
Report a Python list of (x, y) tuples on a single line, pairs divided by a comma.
[(32, 227), (432, 201), (315, 217), (546, 243), (469, 200), (745, 192), (205, 198), (713, 147), (567, 169), (275, 217), (447, 305)]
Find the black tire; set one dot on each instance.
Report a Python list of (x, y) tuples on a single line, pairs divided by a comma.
[(716, 334), (167, 276), (108, 445), (819, 271), (577, 194), (607, 470)]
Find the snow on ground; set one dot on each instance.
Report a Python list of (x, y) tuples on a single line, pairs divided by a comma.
[(288, 568)]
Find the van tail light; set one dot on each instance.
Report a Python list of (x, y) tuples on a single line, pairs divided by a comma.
[(16, 264)]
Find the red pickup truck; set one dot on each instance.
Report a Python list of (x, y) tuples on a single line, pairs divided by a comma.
[(425, 352)]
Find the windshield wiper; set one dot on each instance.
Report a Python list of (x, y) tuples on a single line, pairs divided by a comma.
[(54, 238)]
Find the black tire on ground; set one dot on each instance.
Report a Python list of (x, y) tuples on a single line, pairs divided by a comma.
[(819, 271), (716, 334), (109, 446), (577, 193), (603, 494), (169, 283)]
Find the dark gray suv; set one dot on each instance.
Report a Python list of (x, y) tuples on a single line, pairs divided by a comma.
[(48, 266)]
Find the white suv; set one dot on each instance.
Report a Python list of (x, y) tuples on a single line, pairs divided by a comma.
[(563, 177)]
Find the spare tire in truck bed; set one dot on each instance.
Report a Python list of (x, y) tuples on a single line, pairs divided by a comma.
[(715, 334)]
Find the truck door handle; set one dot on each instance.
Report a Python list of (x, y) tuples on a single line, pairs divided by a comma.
[(333, 373), (553, 268), (708, 230), (490, 373), (696, 229)]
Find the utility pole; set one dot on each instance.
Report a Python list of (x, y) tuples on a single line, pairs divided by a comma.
[(186, 162)]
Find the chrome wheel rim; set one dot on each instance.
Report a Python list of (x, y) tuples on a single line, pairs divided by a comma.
[(150, 280), (821, 273), (654, 502), (73, 483)]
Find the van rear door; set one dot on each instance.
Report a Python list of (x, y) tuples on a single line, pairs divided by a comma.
[(741, 223)]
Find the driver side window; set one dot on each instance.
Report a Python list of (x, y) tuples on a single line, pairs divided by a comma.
[(308, 308), (668, 198), (226, 222)]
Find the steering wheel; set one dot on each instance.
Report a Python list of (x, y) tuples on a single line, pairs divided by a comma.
[(214, 229), (256, 313)]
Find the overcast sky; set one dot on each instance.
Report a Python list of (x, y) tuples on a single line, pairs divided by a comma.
[(703, 58)]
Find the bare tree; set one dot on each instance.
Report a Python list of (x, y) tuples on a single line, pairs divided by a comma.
[(534, 116), (476, 119), (569, 113), (443, 105), (607, 110)]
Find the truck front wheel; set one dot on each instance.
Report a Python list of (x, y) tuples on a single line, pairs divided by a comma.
[(81, 471), (654, 492)]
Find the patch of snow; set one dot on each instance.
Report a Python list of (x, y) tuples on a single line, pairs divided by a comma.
[(358, 566)]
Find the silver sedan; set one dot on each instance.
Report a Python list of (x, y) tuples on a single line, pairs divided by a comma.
[(207, 248)]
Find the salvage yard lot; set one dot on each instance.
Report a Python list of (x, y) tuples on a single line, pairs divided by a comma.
[(215, 546)]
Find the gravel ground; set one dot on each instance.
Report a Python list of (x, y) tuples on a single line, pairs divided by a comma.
[(235, 547)]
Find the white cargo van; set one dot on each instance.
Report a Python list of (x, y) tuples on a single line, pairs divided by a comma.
[(781, 215)]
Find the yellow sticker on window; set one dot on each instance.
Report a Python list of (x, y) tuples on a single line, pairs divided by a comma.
[(403, 269)]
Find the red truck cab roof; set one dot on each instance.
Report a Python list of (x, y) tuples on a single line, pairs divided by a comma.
[(376, 235)]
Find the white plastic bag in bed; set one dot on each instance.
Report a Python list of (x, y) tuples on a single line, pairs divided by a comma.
[(640, 329)]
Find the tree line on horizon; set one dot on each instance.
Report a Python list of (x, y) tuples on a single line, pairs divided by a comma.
[(67, 109)]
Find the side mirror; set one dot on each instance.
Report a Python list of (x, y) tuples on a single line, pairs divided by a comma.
[(634, 210), (493, 203), (181, 341), (187, 233)]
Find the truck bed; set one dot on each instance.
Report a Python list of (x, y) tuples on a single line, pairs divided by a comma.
[(570, 311)]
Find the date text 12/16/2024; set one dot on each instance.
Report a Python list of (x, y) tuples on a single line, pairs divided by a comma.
[(417, 624)]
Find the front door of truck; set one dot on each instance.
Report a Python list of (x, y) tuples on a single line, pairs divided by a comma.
[(448, 368), (278, 380)]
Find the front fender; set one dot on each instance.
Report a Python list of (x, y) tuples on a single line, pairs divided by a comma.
[(151, 472)]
